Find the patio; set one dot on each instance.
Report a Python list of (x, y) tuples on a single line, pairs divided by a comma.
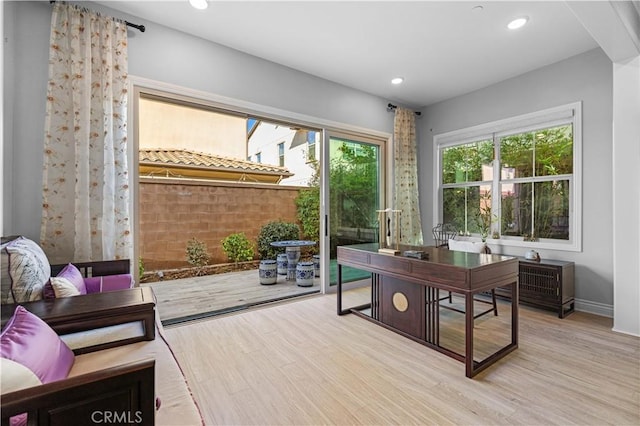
[(201, 297)]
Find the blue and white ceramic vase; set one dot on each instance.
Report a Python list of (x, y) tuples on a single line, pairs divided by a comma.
[(282, 264), (304, 274), (316, 265), (268, 271)]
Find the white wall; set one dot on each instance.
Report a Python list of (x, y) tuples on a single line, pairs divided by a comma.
[(616, 28), (6, 118), (158, 54), (26, 40), (587, 78), (626, 194), (171, 126), (265, 140)]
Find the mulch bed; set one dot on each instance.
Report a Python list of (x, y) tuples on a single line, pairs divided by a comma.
[(175, 274)]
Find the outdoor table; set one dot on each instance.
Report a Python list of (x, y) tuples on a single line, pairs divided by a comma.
[(293, 254)]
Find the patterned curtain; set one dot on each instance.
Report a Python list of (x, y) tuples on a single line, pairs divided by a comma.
[(406, 176), (85, 213)]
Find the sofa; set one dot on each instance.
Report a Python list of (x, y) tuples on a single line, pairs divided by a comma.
[(141, 382), (26, 275), (85, 358)]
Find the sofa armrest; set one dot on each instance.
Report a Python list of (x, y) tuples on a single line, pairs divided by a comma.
[(98, 268), (88, 398), (93, 311)]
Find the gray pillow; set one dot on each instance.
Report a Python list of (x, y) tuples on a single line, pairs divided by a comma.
[(25, 270)]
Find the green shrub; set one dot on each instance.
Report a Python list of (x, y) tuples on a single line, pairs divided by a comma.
[(140, 267), (197, 254), (275, 231), (238, 248), (308, 208), (308, 212)]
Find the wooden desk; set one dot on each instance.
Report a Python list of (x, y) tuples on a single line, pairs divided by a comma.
[(91, 311), (405, 293)]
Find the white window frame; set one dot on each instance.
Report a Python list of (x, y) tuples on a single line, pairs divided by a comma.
[(281, 151), (311, 148), (564, 114)]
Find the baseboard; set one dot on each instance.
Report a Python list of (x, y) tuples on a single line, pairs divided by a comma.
[(595, 308)]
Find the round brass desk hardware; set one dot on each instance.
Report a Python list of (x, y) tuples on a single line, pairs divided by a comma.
[(400, 301)]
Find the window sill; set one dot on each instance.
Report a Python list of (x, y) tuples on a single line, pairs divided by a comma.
[(495, 244)]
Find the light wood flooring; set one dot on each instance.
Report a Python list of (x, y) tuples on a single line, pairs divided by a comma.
[(298, 363), (196, 297)]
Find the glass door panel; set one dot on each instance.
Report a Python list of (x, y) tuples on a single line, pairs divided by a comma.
[(355, 192)]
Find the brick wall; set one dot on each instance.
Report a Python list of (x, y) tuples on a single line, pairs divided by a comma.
[(173, 211)]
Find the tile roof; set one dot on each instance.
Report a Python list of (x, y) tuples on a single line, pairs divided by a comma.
[(183, 157)]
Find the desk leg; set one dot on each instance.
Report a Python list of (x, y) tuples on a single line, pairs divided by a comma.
[(342, 311), (515, 297), (468, 322), (472, 367), (339, 291)]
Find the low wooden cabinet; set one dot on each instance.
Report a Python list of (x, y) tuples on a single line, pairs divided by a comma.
[(547, 283)]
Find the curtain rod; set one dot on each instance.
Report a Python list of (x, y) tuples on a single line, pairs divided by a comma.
[(138, 27), (392, 107)]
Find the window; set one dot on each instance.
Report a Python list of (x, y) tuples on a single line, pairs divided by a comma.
[(516, 179), (535, 185), (258, 157), (281, 154), (311, 145), (467, 174)]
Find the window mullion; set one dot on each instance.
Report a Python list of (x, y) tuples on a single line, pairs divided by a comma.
[(496, 198), (548, 178), (466, 210)]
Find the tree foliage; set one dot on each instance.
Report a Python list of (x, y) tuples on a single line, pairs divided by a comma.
[(353, 189), (353, 183), (308, 207)]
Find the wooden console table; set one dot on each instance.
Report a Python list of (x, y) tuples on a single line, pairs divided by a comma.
[(546, 284), (405, 293), (92, 311)]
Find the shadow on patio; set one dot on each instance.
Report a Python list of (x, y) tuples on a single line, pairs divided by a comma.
[(194, 298)]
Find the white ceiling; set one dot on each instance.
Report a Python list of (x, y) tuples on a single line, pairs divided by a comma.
[(442, 49)]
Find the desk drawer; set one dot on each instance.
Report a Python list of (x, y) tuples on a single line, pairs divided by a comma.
[(440, 274), (353, 257), (393, 264)]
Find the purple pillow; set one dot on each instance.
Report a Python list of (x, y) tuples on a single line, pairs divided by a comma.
[(29, 341), (71, 273), (108, 283), (47, 290)]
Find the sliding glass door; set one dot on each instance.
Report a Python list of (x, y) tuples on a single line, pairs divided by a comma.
[(353, 191)]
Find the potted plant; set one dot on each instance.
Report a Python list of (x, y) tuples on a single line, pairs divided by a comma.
[(484, 216)]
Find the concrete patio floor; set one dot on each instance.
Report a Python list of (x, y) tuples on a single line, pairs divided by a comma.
[(200, 297)]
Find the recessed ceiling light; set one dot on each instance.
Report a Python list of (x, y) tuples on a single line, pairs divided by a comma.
[(199, 4), (517, 23), (397, 80)]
